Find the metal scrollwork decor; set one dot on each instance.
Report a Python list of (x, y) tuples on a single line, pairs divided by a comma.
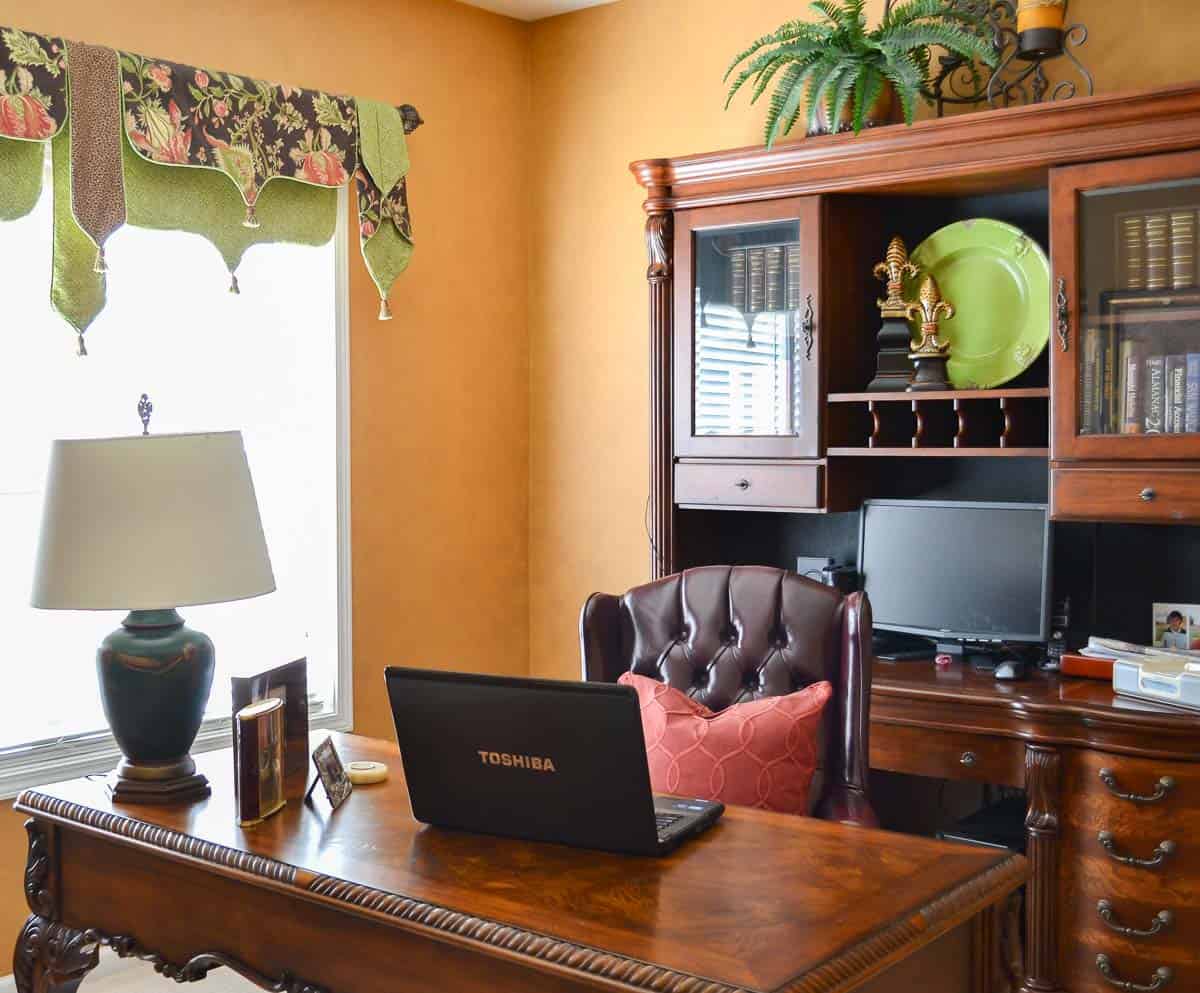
[(1064, 315), (808, 328)]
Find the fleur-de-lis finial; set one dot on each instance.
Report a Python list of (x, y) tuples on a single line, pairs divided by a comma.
[(145, 409), (930, 309), (892, 271)]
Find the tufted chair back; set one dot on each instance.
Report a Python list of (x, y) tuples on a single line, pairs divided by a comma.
[(724, 634)]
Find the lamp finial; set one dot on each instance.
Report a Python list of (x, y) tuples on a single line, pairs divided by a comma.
[(145, 409)]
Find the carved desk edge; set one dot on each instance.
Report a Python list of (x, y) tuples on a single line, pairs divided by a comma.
[(74, 951), (963, 145)]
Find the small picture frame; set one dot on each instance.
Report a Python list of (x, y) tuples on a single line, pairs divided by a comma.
[(331, 774), (288, 683), (1176, 626)]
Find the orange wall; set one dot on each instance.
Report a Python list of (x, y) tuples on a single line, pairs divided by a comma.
[(641, 79), (439, 395)]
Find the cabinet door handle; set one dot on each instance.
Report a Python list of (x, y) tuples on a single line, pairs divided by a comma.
[(1161, 789), (1162, 920), (1148, 495), (968, 759), (1064, 315), (742, 484), (1164, 851), (809, 329), (1162, 977)]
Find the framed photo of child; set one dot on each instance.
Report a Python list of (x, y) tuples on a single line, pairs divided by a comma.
[(1176, 626)]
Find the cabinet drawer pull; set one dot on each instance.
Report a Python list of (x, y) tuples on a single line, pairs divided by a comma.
[(742, 484), (969, 759), (1162, 920), (1162, 977), (1148, 495), (1161, 789), (1064, 316), (1164, 851)]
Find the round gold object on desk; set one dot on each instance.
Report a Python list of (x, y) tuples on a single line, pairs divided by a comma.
[(366, 773)]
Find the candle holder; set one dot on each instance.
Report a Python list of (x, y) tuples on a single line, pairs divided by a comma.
[(931, 354), (893, 369), (1024, 38)]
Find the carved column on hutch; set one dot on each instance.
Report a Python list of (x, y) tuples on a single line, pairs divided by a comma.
[(660, 248), (1043, 784), (49, 957)]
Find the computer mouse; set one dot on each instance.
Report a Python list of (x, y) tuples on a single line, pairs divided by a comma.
[(1010, 669)]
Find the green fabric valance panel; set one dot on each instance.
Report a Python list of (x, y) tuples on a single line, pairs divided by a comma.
[(167, 146)]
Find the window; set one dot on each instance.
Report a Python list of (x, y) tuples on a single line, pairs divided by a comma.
[(270, 362)]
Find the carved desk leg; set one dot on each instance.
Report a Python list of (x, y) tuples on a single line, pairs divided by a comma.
[(1043, 773), (52, 958)]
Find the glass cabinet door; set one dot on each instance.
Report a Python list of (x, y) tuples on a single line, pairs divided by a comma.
[(746, 331), (1127, 362)]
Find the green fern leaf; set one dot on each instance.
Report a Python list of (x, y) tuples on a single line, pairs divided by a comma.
[(790, 89)]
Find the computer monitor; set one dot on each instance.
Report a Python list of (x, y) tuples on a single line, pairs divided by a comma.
[(957, 572)]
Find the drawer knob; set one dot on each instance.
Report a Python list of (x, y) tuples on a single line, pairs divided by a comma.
[(1148, 495), (1162, 920), (969, 759), (742, 484), (1161, 789), (1162, 977), (1164, 851)]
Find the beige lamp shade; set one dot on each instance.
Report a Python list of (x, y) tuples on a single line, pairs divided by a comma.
[(148, 523)]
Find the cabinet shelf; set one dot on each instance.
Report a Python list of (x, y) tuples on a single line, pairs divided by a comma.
[(961, 453), (903, 396)]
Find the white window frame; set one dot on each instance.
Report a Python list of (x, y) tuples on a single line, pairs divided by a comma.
[(40, 762)]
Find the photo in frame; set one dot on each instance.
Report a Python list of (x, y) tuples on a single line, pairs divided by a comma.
[(1176, 626), (288, 683), (331, 774)]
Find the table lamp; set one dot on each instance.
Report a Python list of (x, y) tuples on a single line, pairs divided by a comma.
[(148, 524)]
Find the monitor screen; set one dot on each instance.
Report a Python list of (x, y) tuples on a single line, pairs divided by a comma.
[(971, 571)]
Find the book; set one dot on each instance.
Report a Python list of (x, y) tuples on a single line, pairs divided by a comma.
[(1191, 413), (1089, 398), (1176, 393), (1158, 261), (1132, 363), (1109, 401), (1155, 397), (1132, 252), (1183, 249), (1088, 668), (756, 294)]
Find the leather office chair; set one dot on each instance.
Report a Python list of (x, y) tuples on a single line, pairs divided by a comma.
[(724, 634)]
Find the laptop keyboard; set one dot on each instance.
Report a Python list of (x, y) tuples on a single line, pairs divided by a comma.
[(664, 821)]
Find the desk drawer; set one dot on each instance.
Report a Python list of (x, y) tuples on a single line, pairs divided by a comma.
[(748, 484), (1138, 495), (948, 754)]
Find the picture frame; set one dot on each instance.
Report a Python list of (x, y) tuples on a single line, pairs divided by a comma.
[(331, 774), (1176, 626), (289, 683)]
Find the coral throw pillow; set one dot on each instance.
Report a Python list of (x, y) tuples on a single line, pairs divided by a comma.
[(761, 753)]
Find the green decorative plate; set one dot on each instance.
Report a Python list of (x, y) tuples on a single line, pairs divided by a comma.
[(998, 279)]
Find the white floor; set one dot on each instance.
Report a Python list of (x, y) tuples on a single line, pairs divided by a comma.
[(114, 975)]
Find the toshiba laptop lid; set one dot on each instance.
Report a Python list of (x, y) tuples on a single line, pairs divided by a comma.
[(533, 758)]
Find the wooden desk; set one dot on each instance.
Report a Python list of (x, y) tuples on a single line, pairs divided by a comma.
[(365, 899), (1075, 747)]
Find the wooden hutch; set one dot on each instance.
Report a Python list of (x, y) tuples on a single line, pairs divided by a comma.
[(772, 461)]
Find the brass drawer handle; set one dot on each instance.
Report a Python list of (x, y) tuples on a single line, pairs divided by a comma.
[(742, 484), (1162, 920), (1164, 851), (1163, 787), (1162, 977), (968, 759), (1148, 495)]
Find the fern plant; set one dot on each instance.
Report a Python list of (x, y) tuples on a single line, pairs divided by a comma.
[(836, 62)]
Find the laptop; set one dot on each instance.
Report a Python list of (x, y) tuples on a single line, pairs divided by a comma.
[(536, 759)]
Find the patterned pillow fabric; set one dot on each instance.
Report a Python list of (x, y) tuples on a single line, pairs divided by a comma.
[(761, 753)]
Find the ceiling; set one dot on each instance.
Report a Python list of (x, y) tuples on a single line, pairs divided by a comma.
[(533, 10)]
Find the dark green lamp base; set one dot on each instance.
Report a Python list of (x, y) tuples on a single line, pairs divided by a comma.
[(155, 677)]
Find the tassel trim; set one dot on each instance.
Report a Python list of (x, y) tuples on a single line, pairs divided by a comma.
[(251, 220), (101, 266), (385, 310), (81, 349), (233, 285)]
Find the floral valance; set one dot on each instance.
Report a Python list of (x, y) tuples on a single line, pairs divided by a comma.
[(118, 122)]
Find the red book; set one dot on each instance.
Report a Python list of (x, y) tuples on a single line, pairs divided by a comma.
[(1081, 665)]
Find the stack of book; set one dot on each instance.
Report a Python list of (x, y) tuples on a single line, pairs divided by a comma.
[(1133, 385), (765, 279), (1158, 250)]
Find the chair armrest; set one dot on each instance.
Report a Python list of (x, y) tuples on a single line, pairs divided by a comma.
[(600, 638)]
